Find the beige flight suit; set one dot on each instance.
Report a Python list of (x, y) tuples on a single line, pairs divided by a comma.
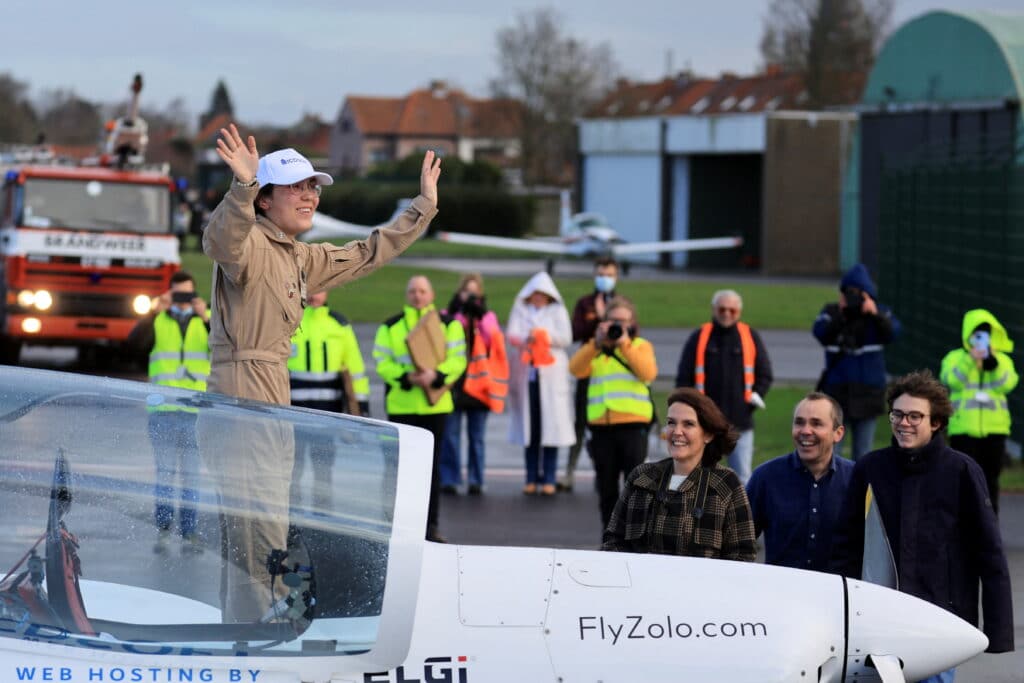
[(260, 282)]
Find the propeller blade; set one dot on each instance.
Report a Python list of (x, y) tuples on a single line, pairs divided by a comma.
[(888, 667)]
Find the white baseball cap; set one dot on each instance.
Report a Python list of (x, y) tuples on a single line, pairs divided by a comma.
[(286, 167)]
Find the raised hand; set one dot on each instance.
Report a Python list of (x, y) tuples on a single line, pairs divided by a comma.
[(242, 157), (429, 174)]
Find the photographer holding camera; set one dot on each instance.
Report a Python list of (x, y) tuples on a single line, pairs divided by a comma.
[(854, 332), (620, 366)]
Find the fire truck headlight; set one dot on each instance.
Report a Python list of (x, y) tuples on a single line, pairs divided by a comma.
[(31, 325), (25, 298), (142, 304), (43, 300)]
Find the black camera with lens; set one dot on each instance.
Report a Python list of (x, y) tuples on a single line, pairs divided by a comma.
[(854, 301), (182, 297), (615, 331)]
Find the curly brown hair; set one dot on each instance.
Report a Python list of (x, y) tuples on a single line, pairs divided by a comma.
[(723, 435), (923, 384)]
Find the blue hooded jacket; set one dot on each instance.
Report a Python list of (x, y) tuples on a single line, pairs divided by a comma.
[(854, 358)]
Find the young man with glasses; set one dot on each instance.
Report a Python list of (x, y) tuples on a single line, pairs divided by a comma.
[(619, 366), (726, 360), (936, 512)]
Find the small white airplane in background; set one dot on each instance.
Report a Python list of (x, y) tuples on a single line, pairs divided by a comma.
[(328, 228), (588, 235), (365, 599)]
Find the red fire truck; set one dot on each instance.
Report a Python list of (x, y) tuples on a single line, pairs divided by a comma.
[(84, 247)]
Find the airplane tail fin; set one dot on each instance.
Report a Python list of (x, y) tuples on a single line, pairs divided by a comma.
[(879, 566)]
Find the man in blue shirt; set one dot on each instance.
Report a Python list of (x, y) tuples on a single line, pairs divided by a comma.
[(797, 498)]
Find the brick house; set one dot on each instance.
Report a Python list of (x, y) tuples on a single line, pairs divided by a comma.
[(371, 130)]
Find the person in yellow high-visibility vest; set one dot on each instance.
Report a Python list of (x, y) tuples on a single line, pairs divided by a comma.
[(326, 372), (406, 385), (620, 366), (979, 375), (175, 333)]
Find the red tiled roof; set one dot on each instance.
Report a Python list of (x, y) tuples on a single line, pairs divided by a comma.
[(688, 95), (439, 112), (208, 134)]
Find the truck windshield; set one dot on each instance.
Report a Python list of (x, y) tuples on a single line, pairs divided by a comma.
[(96, 205)]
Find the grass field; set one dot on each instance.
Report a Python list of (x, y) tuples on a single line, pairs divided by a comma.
[(659, 303)]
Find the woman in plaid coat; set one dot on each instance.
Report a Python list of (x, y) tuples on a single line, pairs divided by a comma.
[(686, 504)]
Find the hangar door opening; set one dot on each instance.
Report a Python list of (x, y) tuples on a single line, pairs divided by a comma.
[(725, 200)]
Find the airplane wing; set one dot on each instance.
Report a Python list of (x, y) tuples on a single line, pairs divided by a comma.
[(676, 245), (563, 248), (540, 246), (328, 228)]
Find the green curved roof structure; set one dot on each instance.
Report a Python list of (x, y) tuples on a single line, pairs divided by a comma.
[(947, 56)]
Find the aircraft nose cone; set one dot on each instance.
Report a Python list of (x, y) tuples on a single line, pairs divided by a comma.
[(926, 639)]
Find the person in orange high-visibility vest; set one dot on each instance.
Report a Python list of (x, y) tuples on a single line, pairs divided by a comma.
[(726, 360), (481, 390)]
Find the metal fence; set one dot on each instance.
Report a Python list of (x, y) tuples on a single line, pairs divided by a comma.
[(951, 239)]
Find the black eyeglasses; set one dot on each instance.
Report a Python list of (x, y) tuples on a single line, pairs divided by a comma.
[(913, 417)]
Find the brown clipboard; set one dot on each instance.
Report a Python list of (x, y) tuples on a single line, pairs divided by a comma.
[(427, 349)]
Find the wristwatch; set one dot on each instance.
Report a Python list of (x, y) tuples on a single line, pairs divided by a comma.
[(249, 184)]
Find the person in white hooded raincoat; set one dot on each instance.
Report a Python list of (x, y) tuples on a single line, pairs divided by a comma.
[(540, 401)]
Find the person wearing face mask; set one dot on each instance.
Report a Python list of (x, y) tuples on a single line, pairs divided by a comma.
[(587, 314), (620, 367), (175, 334), (540, 407), (936, 513), (479, 390), (979, 375), (686, 504)]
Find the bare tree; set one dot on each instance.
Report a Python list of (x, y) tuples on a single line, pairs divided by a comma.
[(557, 78), (18, 121), (831, 43), (68, 119)]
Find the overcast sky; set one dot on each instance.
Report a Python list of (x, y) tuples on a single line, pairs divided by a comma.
[(281, 59)]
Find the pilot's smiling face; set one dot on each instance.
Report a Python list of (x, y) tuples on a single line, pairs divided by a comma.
[(291, 207)]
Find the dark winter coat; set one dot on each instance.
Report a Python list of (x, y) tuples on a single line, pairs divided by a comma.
[(943, 532), (854, 371)]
